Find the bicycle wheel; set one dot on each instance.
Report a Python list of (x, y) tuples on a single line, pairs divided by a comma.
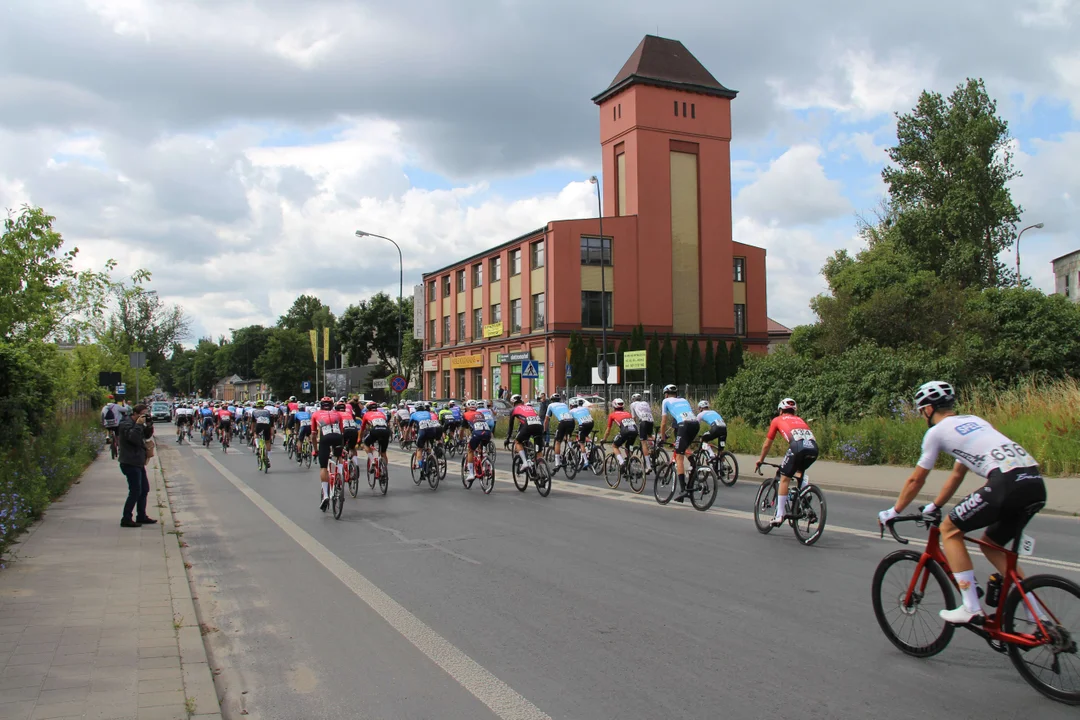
[(418, 472), (338, 498), (490, 452), (266, 461), (441, 465), (612, 472), (662, 463), (549, 454), (354, 477), (596, 460), (384, 476), (765, 505), (1054, 667), (812, 510), (112, 447), (929, 634), (727, 469), (307, 458), (703, 492), (635, 473), (435, 473), (371, 476), (543, 477), (290, 449), (465, 479), (487, 476), (571, 461), (521, 480), (664, 484)]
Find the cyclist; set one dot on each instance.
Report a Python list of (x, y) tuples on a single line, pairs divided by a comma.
[(1013, 487), (477, 423), (427, 428), (585, 427), (531, 428), (303, 422), (292, 405), (801, 454), (326, 429), (206, 416), (184, 417), (561, 412), (446, 417), (110, 418), (401, 419), (461, 428), (642, 413), (685, 425), (262, 427), (350, 433), (224, 420), (375, 431), (489, 416), (717, 428), (628, 431)]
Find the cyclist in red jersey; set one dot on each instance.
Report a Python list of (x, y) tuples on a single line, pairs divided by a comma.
[(350, 432), (480, 435), (224, 419), (624, 421), (801, 454), (532, 428), (374, 431), (293, 405), (327, 435)]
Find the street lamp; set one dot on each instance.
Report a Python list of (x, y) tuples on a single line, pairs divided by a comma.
[(603, 297), (401, 287), (1037, 226)]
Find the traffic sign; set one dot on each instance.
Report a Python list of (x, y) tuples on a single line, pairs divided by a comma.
[(398, 383), (306, 386), (569, 370), (121, 389), (380, 384), (602, 367), (137, 359), (530, 369)]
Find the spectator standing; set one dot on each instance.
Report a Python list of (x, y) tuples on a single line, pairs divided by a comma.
[(542, 398), (133, 432)]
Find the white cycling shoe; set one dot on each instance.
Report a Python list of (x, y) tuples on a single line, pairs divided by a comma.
[(959, 615)]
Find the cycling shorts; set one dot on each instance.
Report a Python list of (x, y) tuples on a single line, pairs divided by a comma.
[(1003, 505), (564, 430), (583, 431), (716, 432), (305, 431), (685, 432), (380, 436), (479, 438), (207, 422), (801, 454), (427, 435), (645, 429), (263, 431), (625, 437), (351, 436), (528, 431), (329, 443), (225, 423)]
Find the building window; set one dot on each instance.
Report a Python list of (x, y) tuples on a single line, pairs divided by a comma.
[(693, 113), (446, 383), (537, 251), (591, 248), (431, 333), (515, 262), (477, 323), (592, 312), (477, 383), (461, 281), (676, 108), (477, 275), (446, 286), (461, 383), (431, 292), (740, 320), (496, 269), (515, 315), (1067, 276), (538, 314), (496, 313), (620, 110), (614, 115), (739, 269), (432, 391), (461, 327), (446, 330), (684, 109)]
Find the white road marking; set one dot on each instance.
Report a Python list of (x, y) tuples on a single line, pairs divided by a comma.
[(502, 699)]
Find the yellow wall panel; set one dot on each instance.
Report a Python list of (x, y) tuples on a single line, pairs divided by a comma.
[(686, 312), (537, 280), (515, 287), (590, 278), (477, 299), (739, 293)]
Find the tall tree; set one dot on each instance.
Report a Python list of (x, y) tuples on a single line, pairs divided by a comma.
[(301, 316), (735, 360), (591, 358), (624, 347), (356, 334), (667, 362), (722, 368), (954, 211), (203, 366), (652, 359), (248, 344), (286, 362), (708, 367), (637, 340), (695, 363), (682, 362)]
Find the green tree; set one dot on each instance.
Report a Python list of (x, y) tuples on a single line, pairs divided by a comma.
[(286, 362), (356, 334), (248, 344), (591, 357), (637, 340), (735, 359), (722, 361), (667, 362), (624, 346), (949, 188), (708, 367), (203, 366), (301, 316), (652, 358), (695, 363), (682, 362)]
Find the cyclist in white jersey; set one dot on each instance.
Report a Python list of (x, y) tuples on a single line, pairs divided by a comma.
[(641, 411), (1012, 493)]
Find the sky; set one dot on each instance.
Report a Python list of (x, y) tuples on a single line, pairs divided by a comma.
[(232, 147)]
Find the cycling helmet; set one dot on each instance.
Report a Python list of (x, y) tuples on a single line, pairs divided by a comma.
[(703, 405), (371, 405), (618, 403), (515, 399), (292, 398), (471, 404), (326, 403), (787, 405), (340, 406), (670, 390), (452, 403), (556, 397), (635, 397), (936, 394), (259, 404)]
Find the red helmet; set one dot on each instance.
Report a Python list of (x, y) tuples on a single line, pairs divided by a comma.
[(326, 403)]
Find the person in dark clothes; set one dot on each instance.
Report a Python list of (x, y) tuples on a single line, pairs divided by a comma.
[(134, 430)]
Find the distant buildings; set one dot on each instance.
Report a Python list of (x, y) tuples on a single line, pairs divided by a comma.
[(1067, 275)]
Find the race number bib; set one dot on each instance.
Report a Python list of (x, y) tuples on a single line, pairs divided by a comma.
[(1027, 545), (348, 424), (262, 420), (429, 424), (628, 425), (563, 416), (532, 420), (686, 416), (378, 423), (480, 426), (802, 434)]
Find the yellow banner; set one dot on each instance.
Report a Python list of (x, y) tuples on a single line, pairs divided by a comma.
[(634, 360), (326, 343), (493, 330), (314, 345), (468, 361)]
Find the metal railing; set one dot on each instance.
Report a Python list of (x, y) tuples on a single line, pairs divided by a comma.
[(652, 393)]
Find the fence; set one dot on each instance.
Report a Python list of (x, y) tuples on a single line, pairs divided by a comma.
[(79, 406), (652, 393)]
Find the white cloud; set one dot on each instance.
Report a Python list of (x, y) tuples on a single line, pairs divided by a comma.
[(1054, 14), (1067, 68), (793, 191)]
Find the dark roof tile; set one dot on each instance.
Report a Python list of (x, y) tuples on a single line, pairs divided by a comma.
[(666, 63)]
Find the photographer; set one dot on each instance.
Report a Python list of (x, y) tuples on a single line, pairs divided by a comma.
[(134, 430)]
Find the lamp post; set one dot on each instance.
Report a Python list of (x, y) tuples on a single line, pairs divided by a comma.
[(401, 288), (1037, 226), (603, 297)]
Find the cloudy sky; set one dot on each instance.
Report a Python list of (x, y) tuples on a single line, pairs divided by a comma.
[(233, 146)]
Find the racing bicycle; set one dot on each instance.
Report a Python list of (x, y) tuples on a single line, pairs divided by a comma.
[(806, 509), (539, 473), (483, 469)]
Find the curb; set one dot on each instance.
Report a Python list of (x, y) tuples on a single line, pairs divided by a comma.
[(194, 662)]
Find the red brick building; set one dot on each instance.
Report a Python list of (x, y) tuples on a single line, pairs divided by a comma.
[(669, 260)]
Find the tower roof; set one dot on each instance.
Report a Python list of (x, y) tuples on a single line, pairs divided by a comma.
[(664, 63)]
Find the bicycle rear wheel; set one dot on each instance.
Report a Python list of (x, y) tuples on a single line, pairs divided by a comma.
[(487, 476), (612, 472), (727, 469), (663, 484), (434, 472), (924, 632), (338, 497), (543, 477), (765, 505), (812, 510), (354, 477), (571, 460), (384, 476), (1053, 668), (703, 491), (465, 479), (521, 480), (635, 474), (307, 459), (596, 460)]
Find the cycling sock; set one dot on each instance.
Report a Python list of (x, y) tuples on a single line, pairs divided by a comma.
[(524, 458), (648, 463), (326, 489), (781, 505), (619, 457), (969, 589), (682, 481), (1039, 610)]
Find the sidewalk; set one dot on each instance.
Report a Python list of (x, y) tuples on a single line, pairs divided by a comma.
[(1063, 494), (97, 621)]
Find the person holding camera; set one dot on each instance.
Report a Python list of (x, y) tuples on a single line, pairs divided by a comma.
[(133, 433)]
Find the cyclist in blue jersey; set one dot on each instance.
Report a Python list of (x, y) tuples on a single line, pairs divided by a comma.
[(303, 420), (717, 427), (561, 412), (489, 416), (584, 419), (428, 429), (685, 425), (461, 429)]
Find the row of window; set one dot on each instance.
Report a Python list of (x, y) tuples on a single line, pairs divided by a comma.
[(539, 319), (536, 260)]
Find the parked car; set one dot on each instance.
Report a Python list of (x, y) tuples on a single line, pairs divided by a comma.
[(161, 412), (590, 400)]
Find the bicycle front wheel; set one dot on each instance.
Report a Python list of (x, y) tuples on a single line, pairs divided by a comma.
[(913, 624), (727, 468), (338, 500), (521, 479), (663, 484), (765, 506), (543, 477), (487, 476), (1054, 667), (810, 523), (612, 472), (635, 473), (703, 492)]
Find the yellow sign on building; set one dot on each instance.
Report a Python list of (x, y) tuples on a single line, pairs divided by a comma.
[(493, 330), (467, 361), (634, 360)]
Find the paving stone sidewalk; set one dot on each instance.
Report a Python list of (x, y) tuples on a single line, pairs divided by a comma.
[(96, 620)]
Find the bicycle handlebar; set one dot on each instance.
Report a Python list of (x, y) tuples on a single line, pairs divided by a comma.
[(758, 468), (918, 518)]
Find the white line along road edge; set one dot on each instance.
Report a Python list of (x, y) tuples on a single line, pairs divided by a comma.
[(502, 699)]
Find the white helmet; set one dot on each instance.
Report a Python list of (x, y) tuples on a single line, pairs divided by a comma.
[(703, 405), (635, 397), (936, 394), (670, 390), (617, 403), (471, 404), (787, 404)]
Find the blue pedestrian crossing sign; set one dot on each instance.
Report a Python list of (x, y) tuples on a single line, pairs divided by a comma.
[(305, 386), (530, 369)]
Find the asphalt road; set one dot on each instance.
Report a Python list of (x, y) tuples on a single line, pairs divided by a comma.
[(590, 603)]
